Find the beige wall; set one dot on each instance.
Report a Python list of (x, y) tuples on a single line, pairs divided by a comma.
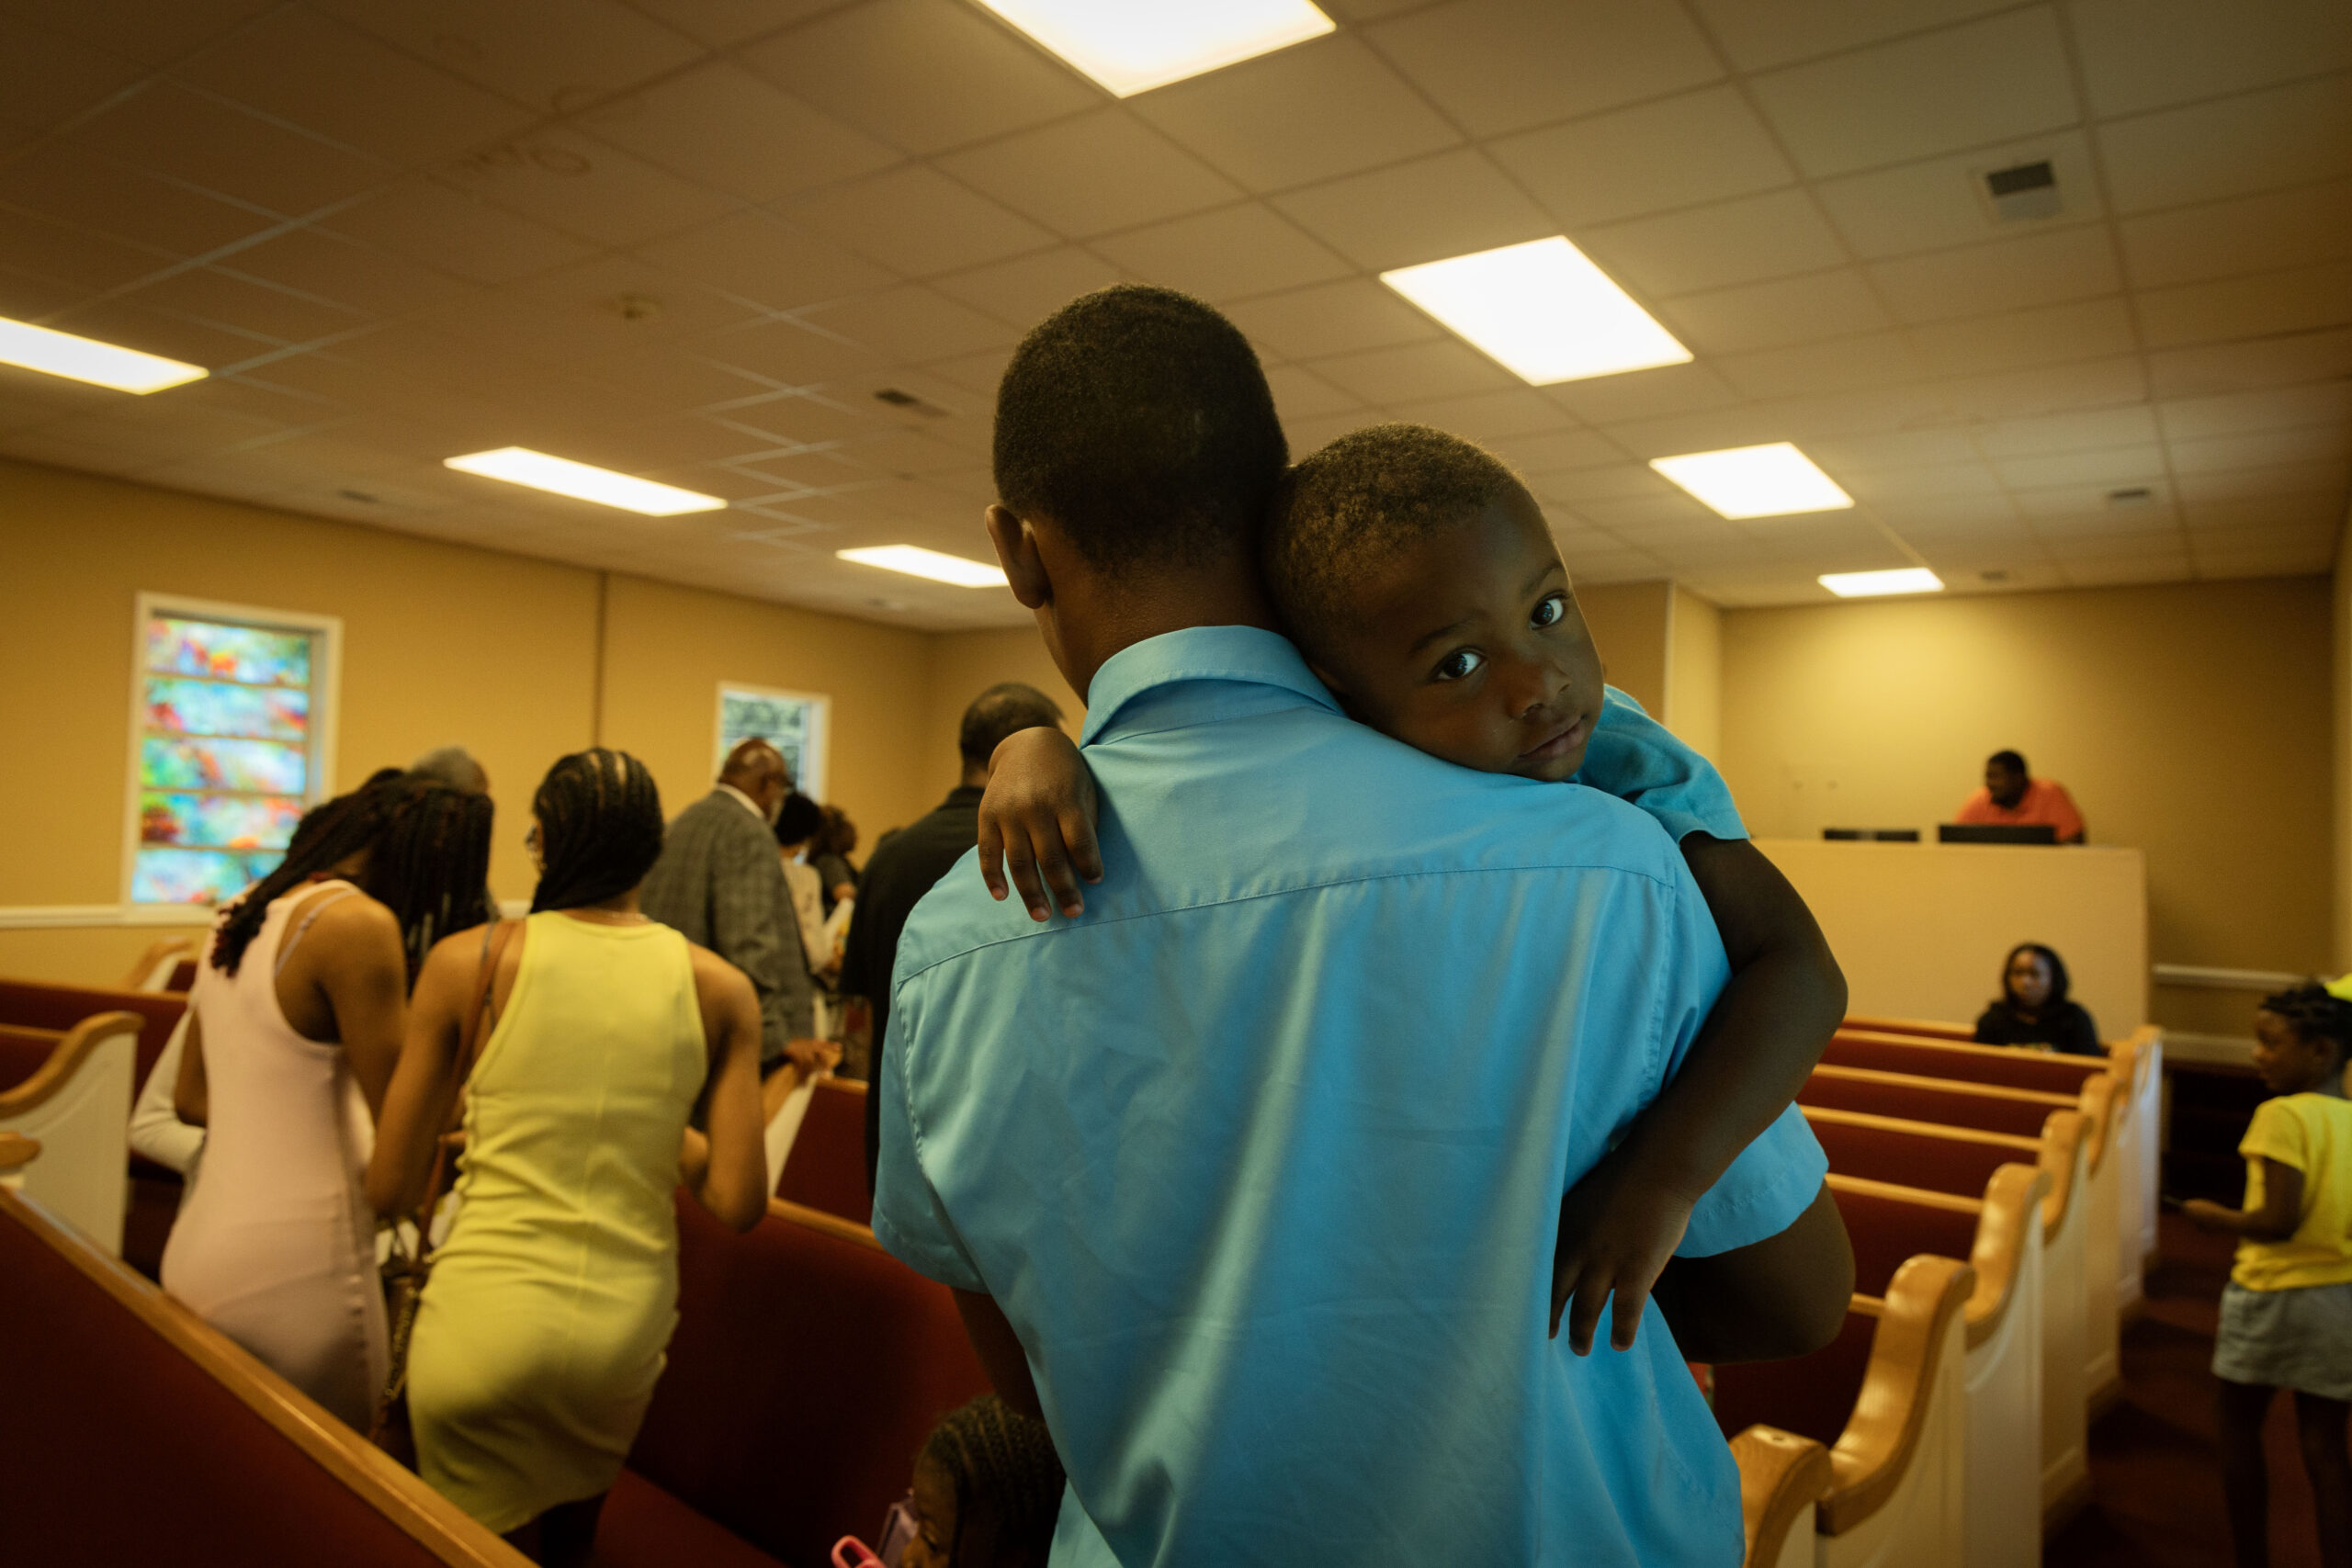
[(965, 664), (1694, 673), (1629, 626), (2340, 679), (2191, 721), (441, 643)]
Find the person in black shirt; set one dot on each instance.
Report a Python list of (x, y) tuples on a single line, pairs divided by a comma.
[(907, 864), (2034, 1009)]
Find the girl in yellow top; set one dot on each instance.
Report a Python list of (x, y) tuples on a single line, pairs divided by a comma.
[(2287, 1310)]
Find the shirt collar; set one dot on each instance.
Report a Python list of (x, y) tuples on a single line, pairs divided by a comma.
[(1248, 654), (748, 804)]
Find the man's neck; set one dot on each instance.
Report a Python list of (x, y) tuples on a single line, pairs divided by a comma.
[(1116, 616)]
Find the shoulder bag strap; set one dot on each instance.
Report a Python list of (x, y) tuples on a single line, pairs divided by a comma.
[(493, 947)]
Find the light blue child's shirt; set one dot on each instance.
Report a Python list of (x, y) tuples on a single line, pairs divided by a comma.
[(1263, 1155)]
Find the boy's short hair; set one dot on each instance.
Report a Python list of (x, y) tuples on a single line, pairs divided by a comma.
[(1137, 421), (1346, 509), (2316, 1014)]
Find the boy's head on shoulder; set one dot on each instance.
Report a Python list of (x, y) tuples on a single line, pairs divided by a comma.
[(1421, 580)]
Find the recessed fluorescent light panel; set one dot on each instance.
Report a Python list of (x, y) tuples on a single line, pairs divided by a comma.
[(916, 561), (87, 360), (1542, 309), (1755, 481), (1865, 584), (521, 465), (1132, 45)]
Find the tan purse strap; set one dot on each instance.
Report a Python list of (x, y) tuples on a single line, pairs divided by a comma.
[(493, 948)]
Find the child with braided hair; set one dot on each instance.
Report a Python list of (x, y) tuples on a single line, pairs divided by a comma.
[(988, 1489), (2287, 1310)]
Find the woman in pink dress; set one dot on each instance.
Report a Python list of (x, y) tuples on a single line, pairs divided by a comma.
[(299, 1007)]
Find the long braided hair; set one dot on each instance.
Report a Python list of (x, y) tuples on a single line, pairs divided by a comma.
[(428, 856), (1008, 1485), (600, 828), (2312, 1011)]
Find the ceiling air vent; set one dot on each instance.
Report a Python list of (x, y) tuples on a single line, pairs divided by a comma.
[(2023, 191), (2138, 495), (910, 402)]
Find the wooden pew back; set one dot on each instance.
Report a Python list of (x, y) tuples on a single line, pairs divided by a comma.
[(1969, 1063), (2020, 1113), (23, 1050), (42, 1005), (808, 1367), (134, 1432), (1889, 1226), (826, 1169)]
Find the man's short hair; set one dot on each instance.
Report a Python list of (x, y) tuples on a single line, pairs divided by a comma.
[(798, 819), (2010, 761), (1007, 706), (1137, 422), (755, 759), (454, 766), (1346, 511)]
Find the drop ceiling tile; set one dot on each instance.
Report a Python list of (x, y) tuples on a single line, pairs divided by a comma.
[(2219, 516), (1602, 566), (1092, 174), (1939, 203), (911, 323), (1314, 433), (252, 308), (359, 277), (2114, 468), (977, 374), (798, 419), (1855, 413), (1967, 478), (1600, 481), (1025, 290), (2265, 305), (2144, 54), (2283, 136), (2257, 233), (1645, 394), (311, 71), (790, 354), (2316, 537), (1502, 65), (1679, 152), (923, 74), (2160, 566), (2214, 566), (722, 24), (1777, 314), (555, 56), (239, 156), (577, 313), (2091, 430), (214, 347), (917, 222), (2085, 508), (46, 77), (1958, 515), (2236, 413), (1708, 247), (1417, 372), (70, 256), (152, 432), (1451, 205), (1837, 365), (1300, 394), (2011, 274), (586, 188), (1332, 317), (1310, 112), (908, 454), (156, 31), (2237, 366), (2093, 383), (719, 125), (1490, 417), (1552, 451), (2291, 479), (1228, 254), (1632, 517), (1891, 450), (456, 233), (1760, 34), (1993, 80), (2259, 450), (2049, 334), (753, 256), (1704, 429)]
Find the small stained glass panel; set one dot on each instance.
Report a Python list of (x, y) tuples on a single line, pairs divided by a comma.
[(179, 705), (196, 877), (254, 655), (254, 767), (783, 722), (218, 822)]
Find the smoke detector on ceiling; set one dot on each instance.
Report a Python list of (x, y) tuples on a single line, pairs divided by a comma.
[(2023, 191)]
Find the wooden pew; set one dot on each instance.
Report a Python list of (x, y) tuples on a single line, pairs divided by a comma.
[(1961, 1161), (2000, 1235), (134, 1432), (2020, 1111), (826, 1169), (17, 1151), (168, 965), (1887, 1399), (38, 1005), (76, 1103), (808, 1367)]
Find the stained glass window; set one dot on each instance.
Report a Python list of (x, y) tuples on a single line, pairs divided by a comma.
[(227, 753), (794, 722)]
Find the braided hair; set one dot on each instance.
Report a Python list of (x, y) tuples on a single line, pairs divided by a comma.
[(428, 856), (2316, 1015), (1008, 1485), (600, 828)]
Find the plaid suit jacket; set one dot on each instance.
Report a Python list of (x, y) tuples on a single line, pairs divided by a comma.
[(720, 881)]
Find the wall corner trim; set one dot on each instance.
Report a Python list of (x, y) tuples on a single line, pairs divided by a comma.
[(66, 917)]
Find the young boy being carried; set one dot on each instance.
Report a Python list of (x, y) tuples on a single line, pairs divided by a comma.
[(1419, 579)]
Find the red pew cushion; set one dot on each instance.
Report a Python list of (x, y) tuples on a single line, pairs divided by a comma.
[(1887, 1232), (826, 1169), (62, 1007), (1812, 1395), (1911, 1159), (1951, 1104), (644, 1527), (2011, 1070)]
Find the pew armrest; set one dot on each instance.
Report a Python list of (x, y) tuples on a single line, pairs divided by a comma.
[(78, 1045), (2062, 1143), (2012, 1202), (152, 972), (1781, 1476), (1923, 1305), (17, 1151)]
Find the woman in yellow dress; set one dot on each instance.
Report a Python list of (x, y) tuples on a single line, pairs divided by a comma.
[(542, 1330)]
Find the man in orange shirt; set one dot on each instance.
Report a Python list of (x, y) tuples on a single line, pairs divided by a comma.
[(2012, 798)]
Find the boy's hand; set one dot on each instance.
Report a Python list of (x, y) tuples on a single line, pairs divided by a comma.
[(1619, 1228), (1038, 818)]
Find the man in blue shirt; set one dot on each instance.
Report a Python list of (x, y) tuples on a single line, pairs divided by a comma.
[(1248, 1177)]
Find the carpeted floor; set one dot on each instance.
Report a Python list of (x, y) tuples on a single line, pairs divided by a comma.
[(2157, 1487)]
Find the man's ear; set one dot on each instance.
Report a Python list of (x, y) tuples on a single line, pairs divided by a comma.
[(1016, 551)]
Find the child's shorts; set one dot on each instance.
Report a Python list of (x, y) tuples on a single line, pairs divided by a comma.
[(2299, 1338)]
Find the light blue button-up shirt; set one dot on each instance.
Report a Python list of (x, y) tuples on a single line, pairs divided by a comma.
[(1263, 1155)]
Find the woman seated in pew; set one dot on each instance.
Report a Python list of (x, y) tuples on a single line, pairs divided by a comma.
[(299, 1006), (2034, 1009), (541, 1329), (2287, 1310)]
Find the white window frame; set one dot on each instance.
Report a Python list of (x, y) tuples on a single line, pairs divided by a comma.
[(326, 699), (817, 747)]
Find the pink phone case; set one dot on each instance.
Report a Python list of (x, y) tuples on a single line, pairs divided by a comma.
[(850, 1552)]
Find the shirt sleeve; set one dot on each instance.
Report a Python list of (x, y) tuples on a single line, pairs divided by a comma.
[(1639, 761), (2064, 815), (909, 1221), (2278, 1133)]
